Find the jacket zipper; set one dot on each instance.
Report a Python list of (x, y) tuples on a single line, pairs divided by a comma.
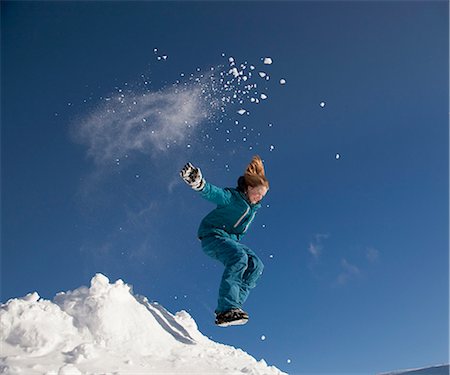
[(242, 217), (251, 219)]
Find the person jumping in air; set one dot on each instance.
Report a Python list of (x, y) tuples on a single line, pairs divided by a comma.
[(220, 233)]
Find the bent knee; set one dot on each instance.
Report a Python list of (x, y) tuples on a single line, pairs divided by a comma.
[(260, 267), (239, 258)]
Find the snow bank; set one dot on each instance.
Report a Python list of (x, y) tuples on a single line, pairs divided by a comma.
[(35, 326), (106, 329)]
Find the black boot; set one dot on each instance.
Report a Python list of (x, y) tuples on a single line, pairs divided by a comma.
[(231, 317)]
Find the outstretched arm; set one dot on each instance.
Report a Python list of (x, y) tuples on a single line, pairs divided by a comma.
[(216, 194), (193, 177)]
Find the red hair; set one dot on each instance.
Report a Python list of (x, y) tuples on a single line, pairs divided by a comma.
[(254, 175)]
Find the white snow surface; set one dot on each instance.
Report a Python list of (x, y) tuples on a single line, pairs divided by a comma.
[(106, 329)]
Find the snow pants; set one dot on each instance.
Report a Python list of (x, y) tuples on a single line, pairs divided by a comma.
[(242, 269)]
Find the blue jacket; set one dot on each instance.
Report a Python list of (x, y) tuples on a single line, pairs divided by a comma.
[(233, 213)]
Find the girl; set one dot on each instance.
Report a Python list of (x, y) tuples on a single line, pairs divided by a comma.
[(220, 233)]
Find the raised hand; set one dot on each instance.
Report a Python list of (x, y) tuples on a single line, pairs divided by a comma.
[(192, 176)]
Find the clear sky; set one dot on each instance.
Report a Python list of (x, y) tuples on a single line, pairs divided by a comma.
[(354, 230)]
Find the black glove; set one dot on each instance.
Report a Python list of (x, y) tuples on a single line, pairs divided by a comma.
[(193, 177)]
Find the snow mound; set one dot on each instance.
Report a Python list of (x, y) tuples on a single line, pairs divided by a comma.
[(35, 326), (107, 329)]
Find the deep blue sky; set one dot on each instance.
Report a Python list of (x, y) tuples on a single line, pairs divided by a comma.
[(355, 248)]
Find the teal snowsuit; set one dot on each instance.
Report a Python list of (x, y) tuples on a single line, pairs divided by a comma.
[(219, 233)]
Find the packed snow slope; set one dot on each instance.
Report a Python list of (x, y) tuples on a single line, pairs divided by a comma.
[(106, 329), (434, 370)]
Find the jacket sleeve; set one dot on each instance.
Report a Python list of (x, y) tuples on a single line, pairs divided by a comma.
[(216, 194)]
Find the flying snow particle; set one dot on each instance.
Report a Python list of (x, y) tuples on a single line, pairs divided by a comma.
[(282, 81), (271, 256), (338, 156), (263, 96), (263, 337), (235, 72), (288, 361), (262, 74), (242, 111), (267, 60), (322, 104), (271, 148)]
